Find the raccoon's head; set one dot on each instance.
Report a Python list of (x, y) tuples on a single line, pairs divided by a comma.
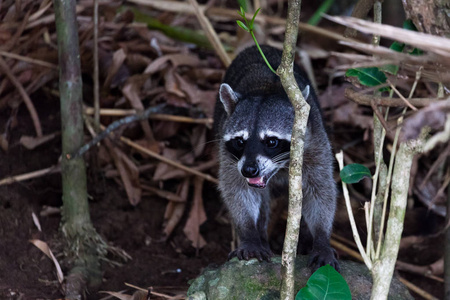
[(257, 133)]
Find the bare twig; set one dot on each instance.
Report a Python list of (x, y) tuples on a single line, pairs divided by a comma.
[(434, 44), (161, 117), (29, 60), (150, 290), (386, 101), (366, 259), (429, 271), (417, 290), (380, 116), (168, 161), (347, 250), (211, 34), (182, 7), (163, 194), (113, 126), (200, 167), (407, 103), (31, 175)]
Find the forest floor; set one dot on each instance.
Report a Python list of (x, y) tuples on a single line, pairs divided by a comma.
[(125, 209)]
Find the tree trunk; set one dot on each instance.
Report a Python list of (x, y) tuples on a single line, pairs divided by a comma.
[(429, 16), (76, 226)]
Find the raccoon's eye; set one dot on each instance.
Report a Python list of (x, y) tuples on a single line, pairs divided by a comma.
[(271, 142), (239, 143)]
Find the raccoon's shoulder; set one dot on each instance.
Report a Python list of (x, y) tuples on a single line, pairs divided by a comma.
[(249, 71)]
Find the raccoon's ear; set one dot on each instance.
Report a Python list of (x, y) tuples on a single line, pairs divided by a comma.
[(228, 97), (305, 92)]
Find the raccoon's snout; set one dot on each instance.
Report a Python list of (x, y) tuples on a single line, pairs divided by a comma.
[(252, 173), (250, 170)]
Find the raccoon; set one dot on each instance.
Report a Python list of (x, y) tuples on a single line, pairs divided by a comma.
[(253, 121)]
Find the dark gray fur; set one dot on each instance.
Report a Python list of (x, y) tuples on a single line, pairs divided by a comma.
[(257, 102)]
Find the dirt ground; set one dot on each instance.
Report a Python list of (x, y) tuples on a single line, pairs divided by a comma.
[(26, 273)]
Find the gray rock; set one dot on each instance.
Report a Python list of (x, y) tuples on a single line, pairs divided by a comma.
[(261, 280)]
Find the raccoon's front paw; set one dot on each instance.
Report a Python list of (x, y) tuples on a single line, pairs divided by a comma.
[(251, 251), (322, 257)]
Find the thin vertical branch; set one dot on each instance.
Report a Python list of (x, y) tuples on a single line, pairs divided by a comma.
[(377, 14), (383, 269), (369, 209), (388, 182), (301, 108), (376, 176), (366, 258), (96, 77)]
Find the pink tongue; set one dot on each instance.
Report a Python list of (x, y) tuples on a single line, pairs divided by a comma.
[(256, 180)]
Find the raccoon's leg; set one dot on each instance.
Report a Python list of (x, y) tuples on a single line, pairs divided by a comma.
[(305, 242), (318, 211), (263, 221), (245, 207)]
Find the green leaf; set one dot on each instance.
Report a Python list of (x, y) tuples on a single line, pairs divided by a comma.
[(243, 10), (391, 69), (408, 24), (323, 9), (325, 284), (254, 16), (242, 25), (178, 33), (353, 173), (367, 76), (396, 46), (416, 51)]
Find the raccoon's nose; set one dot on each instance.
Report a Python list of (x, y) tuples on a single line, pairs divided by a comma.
[(250, 171)]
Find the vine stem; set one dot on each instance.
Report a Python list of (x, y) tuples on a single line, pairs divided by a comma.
[(262, 53)]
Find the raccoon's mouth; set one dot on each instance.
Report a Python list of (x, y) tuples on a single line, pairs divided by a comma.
[(257, 182)]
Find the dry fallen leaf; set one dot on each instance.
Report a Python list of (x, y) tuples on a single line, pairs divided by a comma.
[(180, 59), (128, 171), (36, 221), (198, 140), (351, 114), (166, 129), (171, 84), (46, 249), (31, 142), (163, 194), (196, 96), (175, 210), (163, 168), (197, 217), (433, 116), (117, 68), (334, 96), (4, 144), (131, 90)]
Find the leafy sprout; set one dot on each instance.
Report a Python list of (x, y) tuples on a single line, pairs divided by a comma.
[(248, 26)]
